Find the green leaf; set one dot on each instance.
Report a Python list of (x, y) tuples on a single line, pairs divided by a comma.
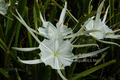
[(102, 57), (89, 71), (4, 73)]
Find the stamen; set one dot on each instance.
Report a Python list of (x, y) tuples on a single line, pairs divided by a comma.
[(56, 20), (47, 26), (78, 56), (80, 18), (40, 55), (67, 24), (38, 19), (36, 32), (62, 65), (79, 35), (104, 9), (60, 24), (43, 7), (85, 14), (115, 29), (93, 26), (111, 16), (91, 6), (108, 33)]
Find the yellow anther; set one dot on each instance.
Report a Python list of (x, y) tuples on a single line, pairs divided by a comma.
[(85, 14), (114, 25), (108, 33), (43, 7), (91, 6), (78, 56), (79, 35), (104, 9), (67, 24), (111, 16), (115, 29), (47, 26), (40, 55), (56, 20), (93, 26), (36, 31), (60, 24), (80, 18), (62, 65), (38, 19)]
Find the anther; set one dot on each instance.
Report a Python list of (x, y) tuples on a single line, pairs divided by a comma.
[(40, 55), (47, 26), (60, 24), (62, 65)]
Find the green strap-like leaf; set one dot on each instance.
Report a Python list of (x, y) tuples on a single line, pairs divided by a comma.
[(4, 73), (89, 71)]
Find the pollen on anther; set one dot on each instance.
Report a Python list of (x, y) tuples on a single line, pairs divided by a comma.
[(60, 24), (40, 55), (48, 26), (93, 26), (62, 65)]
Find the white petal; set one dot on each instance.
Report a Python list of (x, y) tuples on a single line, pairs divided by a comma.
[(105, 15), (23, 22), (25, 49), (84, 45), (61, 75), (90, 25), (99, 11), (113, 36), (107, 42), (37, 61), (97, 35), (89, 54), (62, 15)]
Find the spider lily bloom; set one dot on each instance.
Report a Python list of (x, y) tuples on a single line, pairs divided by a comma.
[(56, 53), (103, 30), (49, 30), (3, 7)]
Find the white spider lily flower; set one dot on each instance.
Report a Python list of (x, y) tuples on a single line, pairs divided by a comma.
[(49, 30), (103, 30), (98, 24), (57, 54), (3, 7)]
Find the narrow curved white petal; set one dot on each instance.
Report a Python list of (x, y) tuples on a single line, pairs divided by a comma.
[(37, 61), (72, 16), (89, 6), (61, 75), (62, 15), (25, 49), (98, 35), (23, 22), (99, 11), (113, 36), (84, 45), (89, 54), (107, 42), (105, 15)]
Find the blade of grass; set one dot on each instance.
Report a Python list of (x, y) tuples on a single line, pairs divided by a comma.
[(89, 71)]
